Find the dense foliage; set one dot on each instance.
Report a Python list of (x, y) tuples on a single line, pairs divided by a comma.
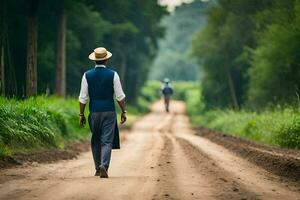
[(249, 51), (173, 59), (129, 29)]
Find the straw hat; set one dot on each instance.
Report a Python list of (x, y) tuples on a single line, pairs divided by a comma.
[(100, 53)]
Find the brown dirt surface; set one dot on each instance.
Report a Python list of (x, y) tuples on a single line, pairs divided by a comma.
[(161, 158), (71, 151), (283, 162)]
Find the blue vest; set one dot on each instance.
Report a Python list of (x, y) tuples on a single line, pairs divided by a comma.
[(101, 89)]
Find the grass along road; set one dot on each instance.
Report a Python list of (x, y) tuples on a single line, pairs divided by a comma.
[(161, 158)]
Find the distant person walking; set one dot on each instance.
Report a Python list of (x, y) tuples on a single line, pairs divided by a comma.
[(167, 92), (98, 86)]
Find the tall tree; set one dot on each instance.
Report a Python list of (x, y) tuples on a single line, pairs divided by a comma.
[(3, 30), (31, 74), (275, 62), (220, 50), (61, 55), (232, 90)]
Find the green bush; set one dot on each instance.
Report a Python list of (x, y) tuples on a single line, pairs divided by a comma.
[(194, 102), (150, 91), (182, 87), (288, 135)]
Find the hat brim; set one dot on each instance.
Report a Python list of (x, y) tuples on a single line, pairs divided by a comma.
[(93, 57)]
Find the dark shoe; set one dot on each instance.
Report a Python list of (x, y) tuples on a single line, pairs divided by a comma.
[(103, 172), (97, 172)]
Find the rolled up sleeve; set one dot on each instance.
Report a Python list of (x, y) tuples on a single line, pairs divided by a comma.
[(118, 88), (84, 94)]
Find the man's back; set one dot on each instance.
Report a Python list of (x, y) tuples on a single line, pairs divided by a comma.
[(100, 82), (100, 88), (167, 90)]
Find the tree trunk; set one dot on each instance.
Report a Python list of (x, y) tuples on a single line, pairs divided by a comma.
[(61, 55), (3, 30), (2, 71), (232, 90), (123, 67), (31, 74)]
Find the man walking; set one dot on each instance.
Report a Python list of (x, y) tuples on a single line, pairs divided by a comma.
[(167, 92), (98, 85)]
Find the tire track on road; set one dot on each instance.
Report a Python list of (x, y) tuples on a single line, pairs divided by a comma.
[(254, 179), (225, 186), (213, 181), (178, 178)]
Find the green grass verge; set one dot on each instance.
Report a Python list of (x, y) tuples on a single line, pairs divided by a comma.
[(48, 122), (277, 126), (38, 123)]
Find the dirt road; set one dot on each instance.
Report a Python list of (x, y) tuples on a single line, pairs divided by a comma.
[(160, 159)]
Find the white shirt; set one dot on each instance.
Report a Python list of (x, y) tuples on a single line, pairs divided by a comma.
[(84, 93)]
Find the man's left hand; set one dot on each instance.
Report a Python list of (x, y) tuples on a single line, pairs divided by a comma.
[(123, 118)]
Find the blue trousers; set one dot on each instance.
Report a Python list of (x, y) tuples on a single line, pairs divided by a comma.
[(102, 125)]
